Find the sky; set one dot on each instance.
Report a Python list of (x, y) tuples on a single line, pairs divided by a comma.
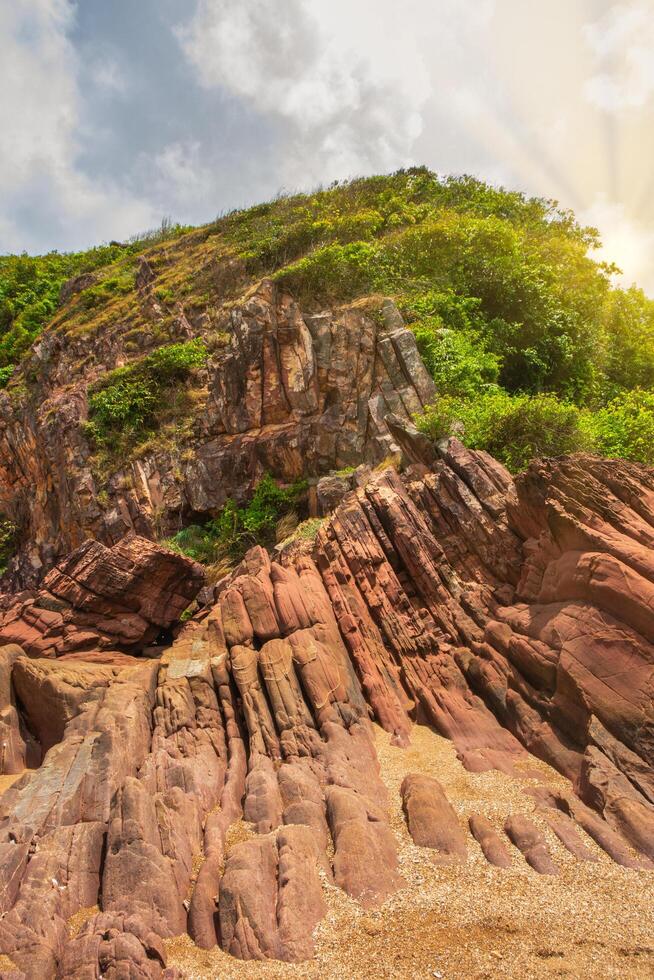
[(118, 113)]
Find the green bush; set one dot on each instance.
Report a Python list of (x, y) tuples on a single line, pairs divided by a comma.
[(235, 529), (458, 360), (125, 405), (30, 285), (175, 361), (625, 427), (29, 292), (514, 429), (126, 400), (8, 540), (96, 295)]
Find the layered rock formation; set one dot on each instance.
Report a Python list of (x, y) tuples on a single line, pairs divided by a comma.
[(104, 598), (214, 788), (287, 392)]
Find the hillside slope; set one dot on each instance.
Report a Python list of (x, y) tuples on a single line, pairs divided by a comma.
[(169, 374)]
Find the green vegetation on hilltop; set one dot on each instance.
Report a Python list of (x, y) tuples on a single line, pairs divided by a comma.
[(531, 347), (529, 343), (30, 287)]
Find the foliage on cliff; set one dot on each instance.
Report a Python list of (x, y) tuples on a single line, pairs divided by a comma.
[(31, 288), (225, 539), (520, 326)]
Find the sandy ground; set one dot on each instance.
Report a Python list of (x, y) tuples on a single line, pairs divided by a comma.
[(592, 920)]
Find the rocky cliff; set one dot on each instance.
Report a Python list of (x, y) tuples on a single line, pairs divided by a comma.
[(283, 391), (511, 616)]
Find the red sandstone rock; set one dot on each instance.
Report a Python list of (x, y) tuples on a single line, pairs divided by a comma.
[(565, 830), (597, 828), (494, 848), (528, 839), (431, 820), (513, 617), (365, 858), (19, 748), (102, 597), (116, 946), (271, 898)]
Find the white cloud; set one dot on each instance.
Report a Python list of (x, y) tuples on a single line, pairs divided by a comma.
[(107, 75), (622, 43), (39, 124), (180, 179), (97, 142), (627, 242), (347, 81)]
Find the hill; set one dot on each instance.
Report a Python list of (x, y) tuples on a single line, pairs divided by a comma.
[(131, 370)]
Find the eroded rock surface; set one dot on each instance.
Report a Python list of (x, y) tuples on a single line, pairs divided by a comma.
[(291, 393), (101, 598), (215, 788), (431, 820)]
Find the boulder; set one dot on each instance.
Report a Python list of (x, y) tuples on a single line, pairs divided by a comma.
[(103, 598), (431, 820)]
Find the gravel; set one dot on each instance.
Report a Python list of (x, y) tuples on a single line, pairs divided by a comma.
[(474, 920)]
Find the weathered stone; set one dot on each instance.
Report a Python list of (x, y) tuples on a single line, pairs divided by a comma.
[(365, 858), (104, 598), (431, 820), (528, 839), (271, 898), (494, 848), (451, 594)]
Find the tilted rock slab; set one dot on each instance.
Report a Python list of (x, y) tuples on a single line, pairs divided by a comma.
[(291, 393), (103, 598), (512, 616), (431, 820)]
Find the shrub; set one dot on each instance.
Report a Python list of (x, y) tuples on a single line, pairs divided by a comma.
[(127, 400), (100, 293), (536, 426), (625, 427), (126, 405), (514, 429), (8, 540), (235, 529), (176, 361), (457, 360)]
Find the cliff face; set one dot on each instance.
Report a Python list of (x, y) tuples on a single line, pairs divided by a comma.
[(286, 392), (514, 617)]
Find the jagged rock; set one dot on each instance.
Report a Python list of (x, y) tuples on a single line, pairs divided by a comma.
[(565, 830), (19, 748), (104, 598), (365, 858), (271, 897), (415, 446), (52, 692), (330, 490), (512, 616), (115, 946), (431, 820), (75, 285), (597, 828), (291, 393)]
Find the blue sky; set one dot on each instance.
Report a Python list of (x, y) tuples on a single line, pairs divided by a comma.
[(116, 113)]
